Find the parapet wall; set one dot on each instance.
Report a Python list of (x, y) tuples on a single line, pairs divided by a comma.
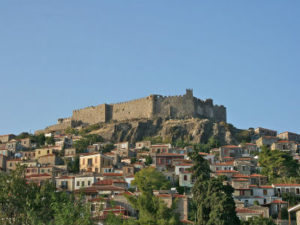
[(174, 106), (153, 106), (140, 108), (90, 115)]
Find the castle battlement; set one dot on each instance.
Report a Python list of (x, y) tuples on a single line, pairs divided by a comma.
[(153, 106)]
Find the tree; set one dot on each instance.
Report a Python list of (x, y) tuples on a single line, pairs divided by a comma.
[(276, 163), (82, 144), (29, 203), (133, 160), (50, 140), (148, 160), (73, 166), (150, 178), (258, 221), (152, 210), (213, 202)]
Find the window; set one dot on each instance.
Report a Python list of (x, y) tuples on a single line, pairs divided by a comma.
[(181, 169), (82, 183), (48, 151), (287, 190), (265, 192), (297, 191), (89, 183), (78, 183), (185, 177), (90, 162)]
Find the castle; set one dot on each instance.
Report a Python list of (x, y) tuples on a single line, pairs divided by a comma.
[(153, 106)]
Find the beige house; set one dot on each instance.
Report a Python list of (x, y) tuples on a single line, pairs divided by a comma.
[(286, 146), (6, 138), (94, 162), (50, 159), (84, 181), (266, 140), (11, 164), (289, 136), (65, 183), (42, 152), (143, 144)]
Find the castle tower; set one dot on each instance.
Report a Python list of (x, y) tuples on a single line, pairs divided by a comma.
[(189, 93)]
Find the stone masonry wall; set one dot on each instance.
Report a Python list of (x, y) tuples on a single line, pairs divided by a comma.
[(90, 115), (136, 109)]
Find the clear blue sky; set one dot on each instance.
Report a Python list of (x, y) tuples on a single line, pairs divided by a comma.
[(60, 55)]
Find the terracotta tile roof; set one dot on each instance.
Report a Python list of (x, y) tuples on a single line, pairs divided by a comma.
[(38, 175), (244, 210), (284, 141), (226, 171), (257, 175), (240, 179), (239, 175), (185, 164), (113, 174), (65, 177), (230, 146), (278, 202), (170, 154), (228, 163), (286, 185)]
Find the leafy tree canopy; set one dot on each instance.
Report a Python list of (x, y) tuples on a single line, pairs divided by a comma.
[(150, 179), (258, 221), (29, 203), (276, 163)]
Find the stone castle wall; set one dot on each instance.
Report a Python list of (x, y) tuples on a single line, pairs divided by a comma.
[(140, 108), (153, 106), (90, 115)]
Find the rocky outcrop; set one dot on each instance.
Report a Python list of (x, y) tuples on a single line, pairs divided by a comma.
[(189, 130)]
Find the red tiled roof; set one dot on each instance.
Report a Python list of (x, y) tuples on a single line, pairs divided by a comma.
[(170, 154), (240, 179), (113, 174), (286, 185), (244, 210), (230, 146), (65, 177), (224, 163), (239, 175), (284, 141), (278, 202), (185, 164), (226, 171), (38, 175), (256, 175)]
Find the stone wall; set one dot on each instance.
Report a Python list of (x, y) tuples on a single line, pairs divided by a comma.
[(90, 115), (174, 107), (136, 109)]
